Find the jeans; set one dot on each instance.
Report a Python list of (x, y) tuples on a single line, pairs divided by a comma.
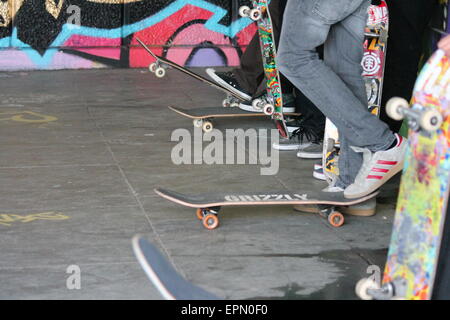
[(334, 85)]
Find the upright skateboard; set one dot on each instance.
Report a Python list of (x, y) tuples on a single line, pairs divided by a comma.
[(164, 277), (422, 205), (274, 104), (375, 45), (209, 204), (203, 117), (159, 69)]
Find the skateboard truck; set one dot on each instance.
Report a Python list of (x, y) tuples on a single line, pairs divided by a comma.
[(158, 69), (254, 14), (209, 217), (428, 119), (368, 289), (334, 218), (205, 124)]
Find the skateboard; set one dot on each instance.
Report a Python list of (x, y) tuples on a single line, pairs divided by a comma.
[(274, 104), (422, 206), (202, 117), (208, 204), (170, 284), (159, 69), (373, 62)]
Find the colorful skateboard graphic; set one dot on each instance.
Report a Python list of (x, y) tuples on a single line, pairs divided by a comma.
[(373, 62), (170, 284), (203, 117), (209, 204), (274, 104), (159, 69), (423, 199)]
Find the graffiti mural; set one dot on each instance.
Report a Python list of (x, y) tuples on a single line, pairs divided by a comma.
[(56, 34)]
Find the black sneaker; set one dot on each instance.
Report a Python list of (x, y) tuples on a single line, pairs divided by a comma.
[(228, 80)]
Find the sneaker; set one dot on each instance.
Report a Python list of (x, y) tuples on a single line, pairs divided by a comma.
[(318, 173), (313, 151), (377, 168), (300, 138), (364, 209), (228, 80)]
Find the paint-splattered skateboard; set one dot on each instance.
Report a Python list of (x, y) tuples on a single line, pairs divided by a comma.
[(274, 104), (170, 284), (423, 199), (209, 204), (373, 62), (159, 69), (202, 117)]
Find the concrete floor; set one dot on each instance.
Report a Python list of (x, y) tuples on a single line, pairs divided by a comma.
[(81, 152)]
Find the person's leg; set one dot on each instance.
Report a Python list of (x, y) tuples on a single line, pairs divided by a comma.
[(408, 22), (307, 25)]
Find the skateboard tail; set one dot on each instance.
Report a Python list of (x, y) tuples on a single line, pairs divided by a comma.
[(170, 284)]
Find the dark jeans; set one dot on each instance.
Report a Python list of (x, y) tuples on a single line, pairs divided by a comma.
[(409, 20)]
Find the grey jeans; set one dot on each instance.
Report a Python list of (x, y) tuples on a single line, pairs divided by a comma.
[(334, 85)]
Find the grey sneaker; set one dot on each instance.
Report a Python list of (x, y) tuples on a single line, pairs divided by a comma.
[(377, 169), (290, 144), (300, 137), (314, 151), (364, 209)]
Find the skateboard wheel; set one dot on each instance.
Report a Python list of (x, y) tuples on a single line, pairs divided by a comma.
[(268, 109), (152, 67), (394, 108), (210, 221), (160, 72), (199, 214), (257, 104), (336, 219), (431, 120), (363, 286), (207, 126), (234, 105), (255, 14), (198, 123), (244, 11), (226, 103)]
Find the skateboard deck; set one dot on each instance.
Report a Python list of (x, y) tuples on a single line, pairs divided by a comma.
[(422, 204), (209, 204), (373, 62), (170, 284), (202, 117), (160, 65), (261, 14)]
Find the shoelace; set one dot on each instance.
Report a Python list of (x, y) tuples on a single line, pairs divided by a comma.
[(304, 132)]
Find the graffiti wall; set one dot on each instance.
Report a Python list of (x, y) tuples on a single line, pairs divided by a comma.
[(58, 34)]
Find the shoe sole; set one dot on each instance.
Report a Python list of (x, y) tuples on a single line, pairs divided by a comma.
[(376, 186), (345, 210), (309, 155), (211, 73), (319, 176)]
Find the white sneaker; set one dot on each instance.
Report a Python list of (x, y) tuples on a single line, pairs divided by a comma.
[(377, 169)]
